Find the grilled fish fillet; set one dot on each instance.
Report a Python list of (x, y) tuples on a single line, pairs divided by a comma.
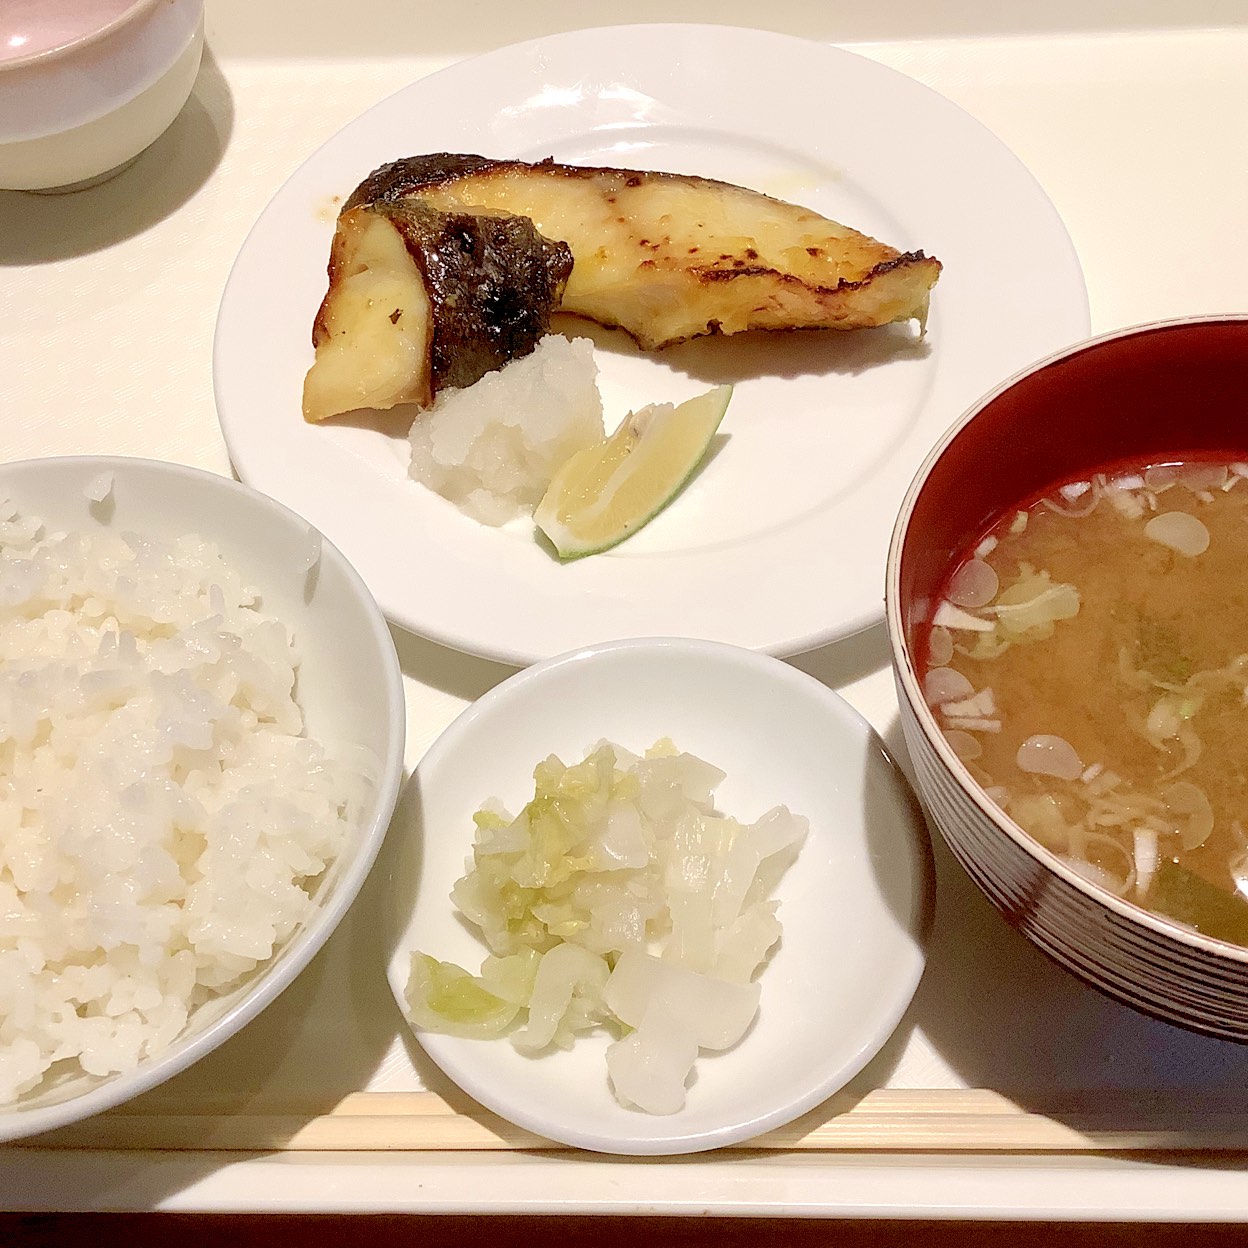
[(664, 257), (667, 257), (421, 299)]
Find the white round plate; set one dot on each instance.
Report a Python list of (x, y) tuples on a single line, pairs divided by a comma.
[(779, 544), (854, 906)]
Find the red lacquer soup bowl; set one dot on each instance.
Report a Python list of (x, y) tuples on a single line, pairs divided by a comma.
[(1146, 394)]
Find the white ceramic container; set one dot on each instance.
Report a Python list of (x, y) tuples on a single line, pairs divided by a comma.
[(97, 89)]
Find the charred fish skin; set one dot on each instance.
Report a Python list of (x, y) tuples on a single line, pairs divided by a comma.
[(667, 257), (420, 300), (493, 283)]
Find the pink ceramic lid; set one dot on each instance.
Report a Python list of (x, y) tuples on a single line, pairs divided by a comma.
[(31, 27), (122, 47)]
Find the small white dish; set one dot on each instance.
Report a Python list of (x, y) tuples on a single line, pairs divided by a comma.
[(86, 86), (824, 431), (855, 905), (349, 686)]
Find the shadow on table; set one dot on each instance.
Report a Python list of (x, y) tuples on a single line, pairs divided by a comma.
[(39, 229), (989, 993), (448, 671)]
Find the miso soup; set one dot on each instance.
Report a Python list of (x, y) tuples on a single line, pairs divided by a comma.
[(1088, 661)]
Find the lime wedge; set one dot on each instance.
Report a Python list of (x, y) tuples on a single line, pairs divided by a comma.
[(608, 491)]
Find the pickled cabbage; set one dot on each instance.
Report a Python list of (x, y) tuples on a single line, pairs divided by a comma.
[(618, 898)]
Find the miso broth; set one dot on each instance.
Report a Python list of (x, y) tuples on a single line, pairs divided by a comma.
[(1088, 661)]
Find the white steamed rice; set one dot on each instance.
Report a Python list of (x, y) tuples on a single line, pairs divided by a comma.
[(162, 817), (493, 447)]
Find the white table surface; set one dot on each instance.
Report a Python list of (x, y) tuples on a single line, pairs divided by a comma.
[(1134, 118)]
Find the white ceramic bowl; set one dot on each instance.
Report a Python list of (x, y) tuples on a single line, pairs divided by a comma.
[(1142, 394), (103, 82), (854, 906), (350, 689)]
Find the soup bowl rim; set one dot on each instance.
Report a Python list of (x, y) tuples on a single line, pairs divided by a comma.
[(906, 673)]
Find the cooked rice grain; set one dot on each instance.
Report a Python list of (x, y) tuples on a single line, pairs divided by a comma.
[(162, 817)]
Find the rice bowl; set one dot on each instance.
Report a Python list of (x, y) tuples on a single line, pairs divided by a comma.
[(349, 696)]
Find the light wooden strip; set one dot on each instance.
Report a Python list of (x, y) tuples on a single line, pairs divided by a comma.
[(886, 1120)]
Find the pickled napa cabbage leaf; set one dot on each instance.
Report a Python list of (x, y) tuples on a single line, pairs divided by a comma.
[(617, 898)]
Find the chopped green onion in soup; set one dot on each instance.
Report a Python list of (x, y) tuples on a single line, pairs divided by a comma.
[(1088, 663)]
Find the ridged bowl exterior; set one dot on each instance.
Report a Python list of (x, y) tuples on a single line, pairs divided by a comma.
[(1143, 960)]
